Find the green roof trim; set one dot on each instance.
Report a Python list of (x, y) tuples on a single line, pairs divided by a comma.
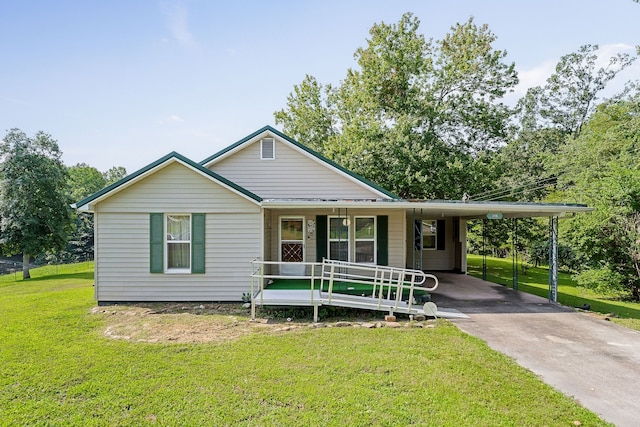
[(304, 148), (159, 162)]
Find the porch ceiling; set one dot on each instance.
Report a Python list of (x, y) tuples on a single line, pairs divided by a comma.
[(437, 208)]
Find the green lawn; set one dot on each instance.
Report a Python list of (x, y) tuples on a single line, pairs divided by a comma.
[(57, 368), (536, 281)]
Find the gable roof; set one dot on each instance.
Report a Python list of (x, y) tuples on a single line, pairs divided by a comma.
[(249, 139), (159, 164)]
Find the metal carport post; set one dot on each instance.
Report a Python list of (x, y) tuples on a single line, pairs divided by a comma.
[(553, 259)]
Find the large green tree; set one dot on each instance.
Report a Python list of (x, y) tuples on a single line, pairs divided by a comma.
[(417, 116), (601, 168), (34, 206), (549, 116)]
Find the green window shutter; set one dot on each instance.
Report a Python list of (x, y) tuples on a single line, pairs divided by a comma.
[(382, 234), (440, 234), (197, 243), (321, 237), (156, 243)]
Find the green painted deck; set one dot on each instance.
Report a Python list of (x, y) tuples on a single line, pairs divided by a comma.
[(338, 287)]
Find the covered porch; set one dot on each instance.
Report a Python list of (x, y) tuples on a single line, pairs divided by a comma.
[(428, 236)]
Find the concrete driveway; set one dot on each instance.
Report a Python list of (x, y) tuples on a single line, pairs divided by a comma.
[(592, 360)]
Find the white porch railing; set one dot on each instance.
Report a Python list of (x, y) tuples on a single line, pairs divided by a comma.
[(388, 284)]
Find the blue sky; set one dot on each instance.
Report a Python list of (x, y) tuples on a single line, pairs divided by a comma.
[(122, 83)]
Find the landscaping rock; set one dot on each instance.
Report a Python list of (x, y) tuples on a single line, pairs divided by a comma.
[(318, 325), (379, 325), (392, 325), (342, 324), (420, 318), (368, 325)]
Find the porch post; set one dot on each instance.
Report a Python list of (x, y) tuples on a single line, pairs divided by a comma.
[(553, 259), (484, 250), (514, 255)]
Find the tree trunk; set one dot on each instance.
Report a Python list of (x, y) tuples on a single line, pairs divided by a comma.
[(25, 266)]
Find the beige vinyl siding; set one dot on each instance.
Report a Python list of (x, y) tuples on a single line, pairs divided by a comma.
[(433, 259), (173, 188), (233, 227), (396, 231), (291, 174)]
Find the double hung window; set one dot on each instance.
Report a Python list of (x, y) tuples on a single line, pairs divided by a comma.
[(365, 239), (339, 238), (178, 241)]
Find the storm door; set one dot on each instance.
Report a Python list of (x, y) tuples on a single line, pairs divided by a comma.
[(292, 239)]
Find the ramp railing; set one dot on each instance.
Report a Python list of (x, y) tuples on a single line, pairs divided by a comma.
[(388, 283), (384, 284)]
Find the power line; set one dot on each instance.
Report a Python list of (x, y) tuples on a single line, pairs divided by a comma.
[(492, 195)]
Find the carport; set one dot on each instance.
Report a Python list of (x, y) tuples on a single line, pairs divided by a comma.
[(463, 211)]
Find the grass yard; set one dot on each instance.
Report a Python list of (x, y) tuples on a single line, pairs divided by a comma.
[(536, 281), (57, 367)]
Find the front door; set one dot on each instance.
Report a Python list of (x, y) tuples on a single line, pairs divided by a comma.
[(292, 244)]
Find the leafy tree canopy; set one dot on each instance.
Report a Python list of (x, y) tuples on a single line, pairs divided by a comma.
[(34, 206), (418, 116), (601, 168), (550, 115)]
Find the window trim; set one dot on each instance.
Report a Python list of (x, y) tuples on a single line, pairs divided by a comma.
[(368, 239), (273, 148), (166, 243)]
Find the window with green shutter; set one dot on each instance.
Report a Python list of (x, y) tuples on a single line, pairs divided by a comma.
[(177, 243)]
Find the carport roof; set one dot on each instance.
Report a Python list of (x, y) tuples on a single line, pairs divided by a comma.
[(439, 208)]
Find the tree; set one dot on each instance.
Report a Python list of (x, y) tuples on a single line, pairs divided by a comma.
[(419, 117), (114, 174), (83, 180), (601, 168), (34, 206), (550, 115), (308, 101), (570, 95)]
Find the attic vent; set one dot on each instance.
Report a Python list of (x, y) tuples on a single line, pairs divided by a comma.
[(267, 148)]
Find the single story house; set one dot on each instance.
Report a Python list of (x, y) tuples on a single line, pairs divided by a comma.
[(177, 230)]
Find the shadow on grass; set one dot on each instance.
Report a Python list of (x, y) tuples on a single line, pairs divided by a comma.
[(600, 305), (81, 275)]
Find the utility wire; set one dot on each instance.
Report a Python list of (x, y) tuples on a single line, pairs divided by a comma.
[(493, 195)]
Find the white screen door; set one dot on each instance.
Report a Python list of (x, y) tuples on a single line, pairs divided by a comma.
[(292, 239)]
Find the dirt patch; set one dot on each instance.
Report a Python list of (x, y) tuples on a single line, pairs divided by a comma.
[(184, 322), (200, 323)]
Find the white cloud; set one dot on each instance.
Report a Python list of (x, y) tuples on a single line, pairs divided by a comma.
[(536, 76), (177, 21), (172, 118)]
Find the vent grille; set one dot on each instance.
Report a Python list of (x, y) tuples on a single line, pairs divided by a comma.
[(267, 149)]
